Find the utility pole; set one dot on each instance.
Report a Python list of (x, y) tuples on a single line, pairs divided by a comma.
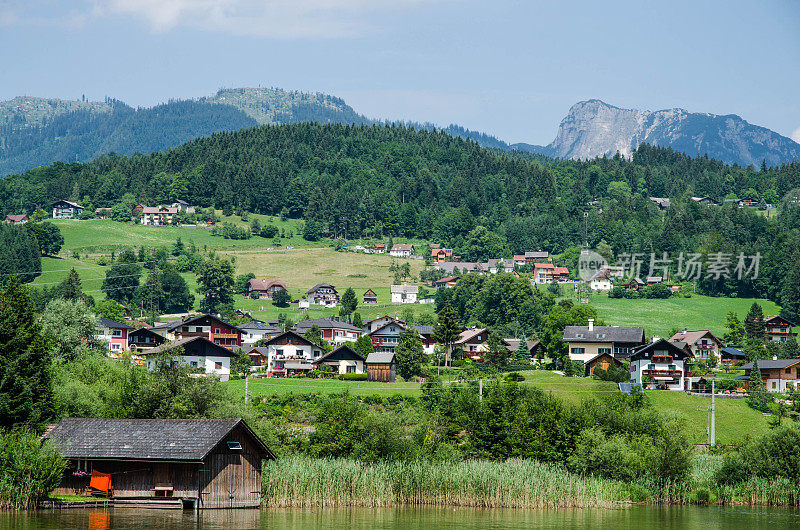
[(480, 390), (246, 389), (712, 433)]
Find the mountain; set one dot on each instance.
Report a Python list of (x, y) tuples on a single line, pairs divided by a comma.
[(594, 128), (40, 131)]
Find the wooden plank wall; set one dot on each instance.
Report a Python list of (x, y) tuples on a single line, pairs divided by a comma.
[(231, 479), (383, 372), (136, 479)]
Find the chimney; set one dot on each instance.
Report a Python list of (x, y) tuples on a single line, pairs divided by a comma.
[(774, 357), (684, 332), (656, 338), (591, 324)]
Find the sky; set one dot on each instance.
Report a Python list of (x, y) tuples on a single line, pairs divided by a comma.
[(508, 68)]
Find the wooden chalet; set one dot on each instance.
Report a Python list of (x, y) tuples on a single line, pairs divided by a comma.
[(778, 329), (143, 339), (370, 297), (603, 361), (343, 360), (207, 326), (381, 366), (197, 463)]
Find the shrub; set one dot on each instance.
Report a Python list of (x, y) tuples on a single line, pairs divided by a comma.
[(774, 455), (353, 377), (617, 292), (29, 470)]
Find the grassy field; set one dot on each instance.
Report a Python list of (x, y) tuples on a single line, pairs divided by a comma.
[(733, 417), (659, 317)]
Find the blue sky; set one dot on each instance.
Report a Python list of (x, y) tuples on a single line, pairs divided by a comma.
[(509, 68)]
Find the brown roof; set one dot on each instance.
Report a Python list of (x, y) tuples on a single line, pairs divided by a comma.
[(403, 246), (691, 337), (263, 284), (469, 334), (778, 318), (159, 209)]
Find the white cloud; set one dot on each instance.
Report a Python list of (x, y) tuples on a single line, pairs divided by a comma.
[(796, 135), (262, 18)]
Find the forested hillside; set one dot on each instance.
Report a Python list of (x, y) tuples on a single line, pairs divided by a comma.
[(380, 181)]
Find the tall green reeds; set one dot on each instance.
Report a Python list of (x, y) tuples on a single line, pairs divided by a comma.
[(299, 481)]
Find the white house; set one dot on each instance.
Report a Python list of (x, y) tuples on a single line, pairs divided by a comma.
[(183, 206), (285, 354), (600, 282), (663, 364), (63, 209), (159, 215), (587, 342), (402, 250), (404, 294), (195, 352)]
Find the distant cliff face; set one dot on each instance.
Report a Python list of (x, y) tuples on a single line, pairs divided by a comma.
[(593, 128)]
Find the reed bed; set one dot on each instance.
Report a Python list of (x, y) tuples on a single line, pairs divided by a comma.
[(299, 481), (305, 482)]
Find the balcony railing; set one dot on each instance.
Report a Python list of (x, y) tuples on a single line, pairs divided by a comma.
[(706, 346), (663, 373), (225, 335)]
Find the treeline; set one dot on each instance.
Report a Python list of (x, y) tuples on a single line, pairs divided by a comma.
[(22, 248), (382, 181)]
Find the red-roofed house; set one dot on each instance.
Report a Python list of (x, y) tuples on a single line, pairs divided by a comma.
[(543, 272), (16, 219), (449, 281), (441, 255), (561, 274), (519, 260), (264, 288)]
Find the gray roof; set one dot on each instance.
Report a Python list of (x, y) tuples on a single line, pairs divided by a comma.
[(221, 351), (164, 440), (320, 286), (255, 324), (604, 334), (108, 323), (380, 358), (424, 330), (408, 289), (772, 364), (733, 352), (541, 254)]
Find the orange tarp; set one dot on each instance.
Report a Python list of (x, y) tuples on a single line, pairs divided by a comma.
[(100, 481)]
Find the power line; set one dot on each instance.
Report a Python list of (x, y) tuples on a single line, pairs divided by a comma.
[(79, 268)]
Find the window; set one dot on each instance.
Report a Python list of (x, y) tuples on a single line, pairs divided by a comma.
[(198, 329), (788, 371), (578, 350), (671, 366), (194, 364), (235, 446), (351, 369), (217, 330), (299, 353), (601, 335), (579, 335), (603, 350), (116, 332), (651, 366), (773, 385), (115, 346), (217, 366)]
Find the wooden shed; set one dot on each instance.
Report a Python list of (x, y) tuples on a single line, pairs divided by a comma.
[(381, 366), (195, 463)]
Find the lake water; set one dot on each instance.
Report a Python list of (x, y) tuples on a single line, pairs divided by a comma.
[(632, 517)]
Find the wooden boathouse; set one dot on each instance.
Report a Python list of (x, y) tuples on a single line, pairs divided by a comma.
[(181, 463)]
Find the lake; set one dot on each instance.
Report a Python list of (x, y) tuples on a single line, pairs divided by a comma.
[(633, 517)]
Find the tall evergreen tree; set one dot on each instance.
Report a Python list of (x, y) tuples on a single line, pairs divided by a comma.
[(349, 302), (522, 349), (70, 287), (447, 330), (122, 278), (26, 389), (754, 323), (497, 353)]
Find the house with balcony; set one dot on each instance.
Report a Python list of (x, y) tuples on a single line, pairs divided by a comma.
[(114, 333), (143, 340), (159, 215), (600, 281), (473, 342), (264, 288), (287, 354), (778, 374), (333, 330), (370, 297), (402, 250), (210, 327), (385, 338), (343, 360), (587, 342), (323, 294), (662, 365), (197, 353), (440, 255), (543, 272), (778, 329), (63, 209), (379, 322), (447, 281), (702, 343), (404, 294)]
